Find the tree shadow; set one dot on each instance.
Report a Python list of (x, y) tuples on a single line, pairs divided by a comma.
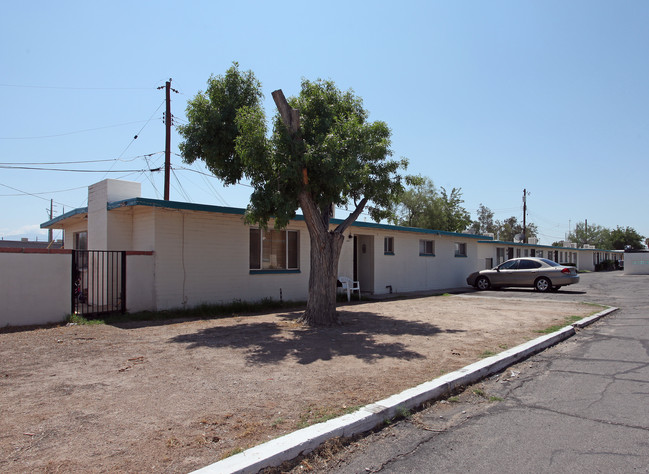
[(273, 342)]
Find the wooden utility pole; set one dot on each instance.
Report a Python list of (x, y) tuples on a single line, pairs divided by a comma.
[(168, 123), (524, 216), (167, 137), (49, 232)]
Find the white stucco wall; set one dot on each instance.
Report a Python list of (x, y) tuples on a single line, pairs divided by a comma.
[(203, 257), (34, 288), (140, 294), (636, 263)]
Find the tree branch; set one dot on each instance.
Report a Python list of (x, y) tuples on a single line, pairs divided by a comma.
[(290, 116), (352, 217)]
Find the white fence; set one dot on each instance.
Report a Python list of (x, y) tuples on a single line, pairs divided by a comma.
[(36, 285)]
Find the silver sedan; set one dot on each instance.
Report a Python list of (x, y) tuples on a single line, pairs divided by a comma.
[(538, 273)]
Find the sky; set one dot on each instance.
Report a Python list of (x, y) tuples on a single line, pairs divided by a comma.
[(492, 97)]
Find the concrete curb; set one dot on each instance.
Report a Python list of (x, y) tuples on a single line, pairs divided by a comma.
[(276, 451)]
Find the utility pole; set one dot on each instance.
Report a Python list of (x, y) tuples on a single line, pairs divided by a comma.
[(49, 232), (168, 122), (524, 216)]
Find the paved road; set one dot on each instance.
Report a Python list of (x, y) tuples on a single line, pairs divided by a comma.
[(581, 406)]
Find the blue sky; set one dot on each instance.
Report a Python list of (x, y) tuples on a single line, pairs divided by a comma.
[(492, 97)]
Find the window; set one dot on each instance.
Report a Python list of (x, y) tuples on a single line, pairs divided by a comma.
[(518, 253), (539, 254), (528, 264), (526, 253), (427, 248), (460, 249), (81, 241), (274, 249), (388, 246)]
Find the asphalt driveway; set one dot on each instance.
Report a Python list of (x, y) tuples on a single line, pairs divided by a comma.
[(580, 406)]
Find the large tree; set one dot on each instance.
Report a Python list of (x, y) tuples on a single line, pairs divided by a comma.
[(591, 234), (622, 238), (485, 222), (322, 152), (422, 205), (509, 228)]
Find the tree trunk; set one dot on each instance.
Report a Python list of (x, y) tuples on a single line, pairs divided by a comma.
[(323, 277)]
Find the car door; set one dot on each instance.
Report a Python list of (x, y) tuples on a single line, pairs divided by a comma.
[(527, 272), (505, 274)]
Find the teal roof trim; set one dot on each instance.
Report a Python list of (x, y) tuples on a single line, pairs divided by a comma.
[(521, 244), (67, 215), (187, 206)]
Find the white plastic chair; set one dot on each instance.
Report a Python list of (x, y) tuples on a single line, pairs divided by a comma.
[(350, 286)]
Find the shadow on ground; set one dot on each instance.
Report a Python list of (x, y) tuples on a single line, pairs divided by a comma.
[(273, 342)]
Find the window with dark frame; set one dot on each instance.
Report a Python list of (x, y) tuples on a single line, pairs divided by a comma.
[(388, 245), (460, 249), (426, 247), (274, 249)]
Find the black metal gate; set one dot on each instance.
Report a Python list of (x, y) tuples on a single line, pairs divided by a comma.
[(98, 282)]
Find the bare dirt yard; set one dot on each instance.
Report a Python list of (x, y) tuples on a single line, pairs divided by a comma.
[(176, 396)]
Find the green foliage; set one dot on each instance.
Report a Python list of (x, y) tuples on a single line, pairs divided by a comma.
[(485, 222), (338, 157), (592, 234), (423, 206), (622, 238), (213, 118), (510, 228), (606, 239)]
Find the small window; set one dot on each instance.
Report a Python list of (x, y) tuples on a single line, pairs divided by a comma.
[(539, 253), (81, 241), (426, 247), (526, 253), (388, 246), (518, 253), (274, 249), (460, 249)]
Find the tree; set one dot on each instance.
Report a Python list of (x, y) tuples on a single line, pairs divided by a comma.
[(592, 234), (622, 238), (485, 223), (322, 152), (510, 228), (421, 205)]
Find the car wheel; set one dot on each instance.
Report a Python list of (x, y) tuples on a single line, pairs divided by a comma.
[(482, 283), (542, 284)]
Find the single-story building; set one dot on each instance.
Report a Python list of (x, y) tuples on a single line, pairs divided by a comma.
[(195, 254)]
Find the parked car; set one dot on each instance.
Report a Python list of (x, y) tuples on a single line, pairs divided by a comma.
[(538, 273)]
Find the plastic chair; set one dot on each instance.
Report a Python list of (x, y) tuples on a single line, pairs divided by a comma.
[(350, 286)]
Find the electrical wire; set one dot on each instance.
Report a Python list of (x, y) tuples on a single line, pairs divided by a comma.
[(77, 162), (72, 133), (46, 192), (32, 194), (73, 170), (78, 88)]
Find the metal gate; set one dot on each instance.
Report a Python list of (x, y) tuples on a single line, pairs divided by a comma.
[(98, 282)]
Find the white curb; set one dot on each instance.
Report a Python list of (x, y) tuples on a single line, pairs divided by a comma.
[(276, 451)]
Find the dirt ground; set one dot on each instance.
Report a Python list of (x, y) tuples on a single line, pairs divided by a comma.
[(174, 397)]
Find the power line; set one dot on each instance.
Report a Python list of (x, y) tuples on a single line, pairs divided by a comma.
[(72, 133), (77, 162), (25, 86), (34, 168), (33, 195), (46, 192)]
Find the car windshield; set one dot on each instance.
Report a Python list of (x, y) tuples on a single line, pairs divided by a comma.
[(550, 262)]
